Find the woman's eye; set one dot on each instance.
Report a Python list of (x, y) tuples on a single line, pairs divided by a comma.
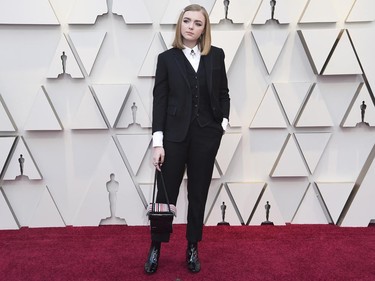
[(186, 21)]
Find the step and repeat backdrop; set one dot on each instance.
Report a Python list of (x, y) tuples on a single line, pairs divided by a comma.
[(76, 80)]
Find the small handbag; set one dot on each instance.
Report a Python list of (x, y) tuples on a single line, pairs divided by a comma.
[(161, 214)]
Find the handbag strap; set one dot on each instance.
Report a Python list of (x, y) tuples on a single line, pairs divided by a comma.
[(164, 189)]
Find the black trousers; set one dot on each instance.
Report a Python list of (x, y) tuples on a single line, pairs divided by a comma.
[(197, 154)]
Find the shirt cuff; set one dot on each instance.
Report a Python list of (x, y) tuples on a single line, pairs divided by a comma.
[(157, 139), (224, 123)]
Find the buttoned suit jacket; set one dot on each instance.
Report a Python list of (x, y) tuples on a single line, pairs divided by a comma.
[(172, 97)]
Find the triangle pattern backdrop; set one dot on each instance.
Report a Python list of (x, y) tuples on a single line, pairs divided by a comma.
[(6, 120), (268, 114), (148, 67), (310, 202), (7, 219), (43, 116), (88, 115), (30, 170), (292, 97), (86, 11), (71, 65), (6, 145), (112, 99), (353, 116), (315, 13), (281, 12), (362, 11), (138, 14), (270, 52), (318, 44), (19, 12), (87, 45), (235, 12), (245, 196)]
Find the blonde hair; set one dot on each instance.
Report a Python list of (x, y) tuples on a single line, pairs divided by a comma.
[(204, 40)]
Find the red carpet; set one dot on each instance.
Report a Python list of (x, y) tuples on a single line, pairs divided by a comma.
[(293, 252)]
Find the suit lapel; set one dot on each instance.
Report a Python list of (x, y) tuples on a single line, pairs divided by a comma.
[(179, 57), (207, 60)]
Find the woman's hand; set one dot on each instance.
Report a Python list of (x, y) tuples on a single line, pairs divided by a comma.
[(158, 155)]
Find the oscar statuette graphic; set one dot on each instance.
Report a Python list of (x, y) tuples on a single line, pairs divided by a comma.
[(223, 208), (267, 221)]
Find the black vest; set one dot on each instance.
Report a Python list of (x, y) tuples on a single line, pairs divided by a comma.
[(201, 109)]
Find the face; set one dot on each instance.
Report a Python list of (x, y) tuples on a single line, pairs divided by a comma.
[(192, 27)]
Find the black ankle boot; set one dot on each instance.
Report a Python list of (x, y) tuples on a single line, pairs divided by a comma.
[(192, 259), (151, 264)]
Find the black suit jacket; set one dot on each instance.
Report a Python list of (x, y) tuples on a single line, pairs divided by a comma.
[(172, 103)]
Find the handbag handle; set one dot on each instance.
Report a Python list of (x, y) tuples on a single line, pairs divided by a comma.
[(164, 189)]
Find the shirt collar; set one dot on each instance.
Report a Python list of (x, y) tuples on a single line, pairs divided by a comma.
[(187, 50)]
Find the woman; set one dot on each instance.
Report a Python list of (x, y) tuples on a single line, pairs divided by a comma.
[(190, 115)]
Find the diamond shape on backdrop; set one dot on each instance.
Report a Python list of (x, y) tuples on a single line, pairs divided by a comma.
[(46, 213), (259, 215), (228, 147), (308, 117), (318, 44), (318, 11), (362, 10), (245, 196), (134, 148), (6, 145), (133, 12), (289, 162), (71, 65), (43, 115), (312, 146), (339, 66), (268, 114), (6, 121), (362, 199), (173, 11), (270, 42), (229, 41), (335, 195), (30, 169), (134, 113), (353, 115), (215, 214), (23, 12), (86, 11), (95, 204), (7, 220), (87, 44), (148, 67), (112, 99), (292, 96), (88, 115), (310, 210), (235, 11)]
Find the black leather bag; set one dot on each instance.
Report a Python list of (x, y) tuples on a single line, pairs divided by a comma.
[(161, 214)]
